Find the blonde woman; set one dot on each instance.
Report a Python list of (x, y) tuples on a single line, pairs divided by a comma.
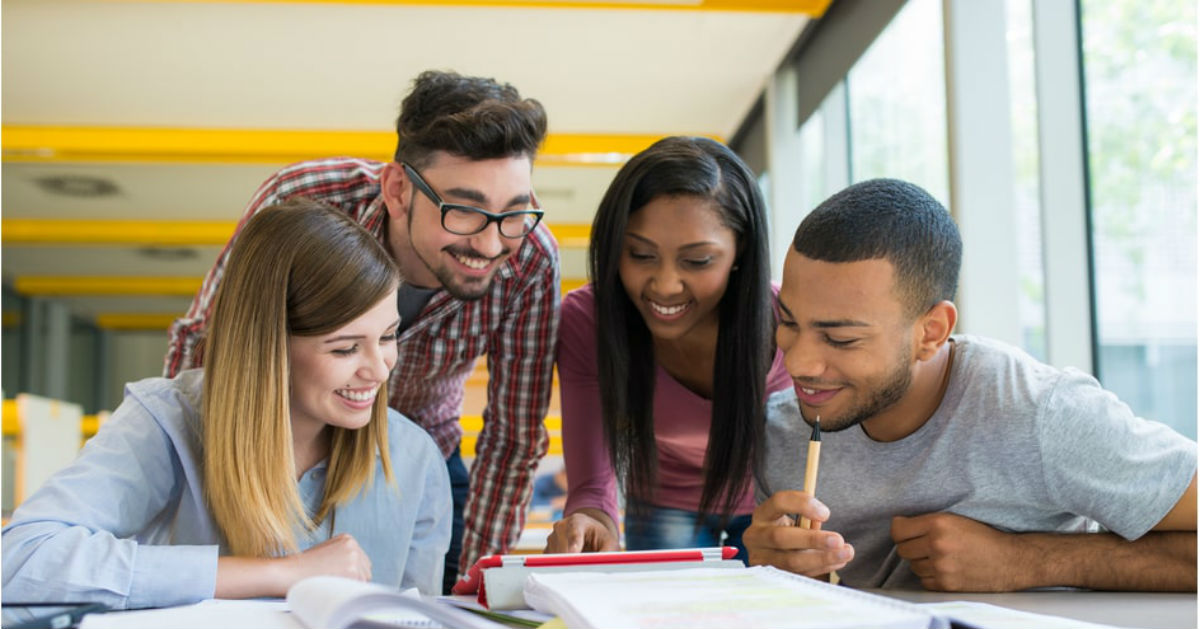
[(280, 460)]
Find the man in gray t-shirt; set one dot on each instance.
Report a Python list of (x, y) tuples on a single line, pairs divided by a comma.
[(953, 463)]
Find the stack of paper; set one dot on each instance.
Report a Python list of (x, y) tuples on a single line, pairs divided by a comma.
[(764, 597), (704, 598)]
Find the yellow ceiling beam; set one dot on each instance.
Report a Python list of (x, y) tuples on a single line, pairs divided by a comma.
[(45, 231), (581, 149), (813, 8), (135, 321), (21, 143), (64, 286), (572, 235), (42, 231), (160, 144)]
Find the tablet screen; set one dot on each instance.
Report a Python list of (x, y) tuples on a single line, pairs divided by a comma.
[(46, 615)]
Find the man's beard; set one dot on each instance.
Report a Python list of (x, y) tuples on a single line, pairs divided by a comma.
[(446, 277), (468, 292), (880, 398)]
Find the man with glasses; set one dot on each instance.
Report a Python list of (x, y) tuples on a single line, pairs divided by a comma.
[(458, 213)]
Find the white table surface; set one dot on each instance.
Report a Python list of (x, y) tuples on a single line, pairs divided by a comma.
[(1148, 610)]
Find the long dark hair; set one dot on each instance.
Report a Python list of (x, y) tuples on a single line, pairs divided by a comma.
[(708, 170)]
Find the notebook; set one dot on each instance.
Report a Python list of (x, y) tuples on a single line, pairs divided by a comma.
[(761, 596)]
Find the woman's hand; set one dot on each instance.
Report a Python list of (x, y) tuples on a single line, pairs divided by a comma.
[(338, 556), (250, 577), (584, 531)]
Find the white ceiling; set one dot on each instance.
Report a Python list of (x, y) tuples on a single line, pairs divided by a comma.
[(340, 66)]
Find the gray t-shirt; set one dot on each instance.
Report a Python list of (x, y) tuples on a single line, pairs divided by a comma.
[(1016, 444)]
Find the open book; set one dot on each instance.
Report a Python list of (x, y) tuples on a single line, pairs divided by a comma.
[(338, 603), (314, 603), (755, 597)]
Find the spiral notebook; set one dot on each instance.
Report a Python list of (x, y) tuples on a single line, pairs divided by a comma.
[(703, 597)]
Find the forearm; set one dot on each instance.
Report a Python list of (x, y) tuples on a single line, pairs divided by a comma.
[(251, 577), (514, 438), (500, 490), (591, 483), (77, 564), (76, 537), (1157, 561)]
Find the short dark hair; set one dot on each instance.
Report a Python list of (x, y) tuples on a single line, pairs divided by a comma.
[(703, 169), (894, 220), (473, 117)]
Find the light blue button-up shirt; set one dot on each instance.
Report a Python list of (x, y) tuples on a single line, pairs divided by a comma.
[(126, 523)]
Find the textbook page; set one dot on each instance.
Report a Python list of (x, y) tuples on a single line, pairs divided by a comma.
[(340, 603), (705, 598)]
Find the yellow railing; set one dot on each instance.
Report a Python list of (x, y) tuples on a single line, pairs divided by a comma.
[(12, 424), (100, 232), (472, 424)]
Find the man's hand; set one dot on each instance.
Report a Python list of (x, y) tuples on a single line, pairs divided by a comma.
[(953, 553), (773, 539), (584, 531)]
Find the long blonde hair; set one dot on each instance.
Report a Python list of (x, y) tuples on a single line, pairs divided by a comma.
[(299, 268)]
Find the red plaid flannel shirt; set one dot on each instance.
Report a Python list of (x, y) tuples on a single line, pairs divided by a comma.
[(516, 325)]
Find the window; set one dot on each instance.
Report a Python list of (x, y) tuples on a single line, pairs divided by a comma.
[(1139, 61), (812, 173), (1023, 108), (898, 103)]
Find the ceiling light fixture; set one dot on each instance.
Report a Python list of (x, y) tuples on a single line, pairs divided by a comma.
[(77, 186)]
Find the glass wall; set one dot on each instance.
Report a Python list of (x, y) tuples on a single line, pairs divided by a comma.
[(1026, 192), (897, 97), (1139, 91), (812, 143), (1139, 61)]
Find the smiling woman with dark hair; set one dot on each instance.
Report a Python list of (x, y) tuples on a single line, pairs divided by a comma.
[(666, 358)]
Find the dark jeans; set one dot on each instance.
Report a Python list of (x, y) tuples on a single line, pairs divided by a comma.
[(656, 528), (459, 481)]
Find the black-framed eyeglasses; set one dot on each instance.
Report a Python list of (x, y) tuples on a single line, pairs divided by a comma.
[(467, 220)]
